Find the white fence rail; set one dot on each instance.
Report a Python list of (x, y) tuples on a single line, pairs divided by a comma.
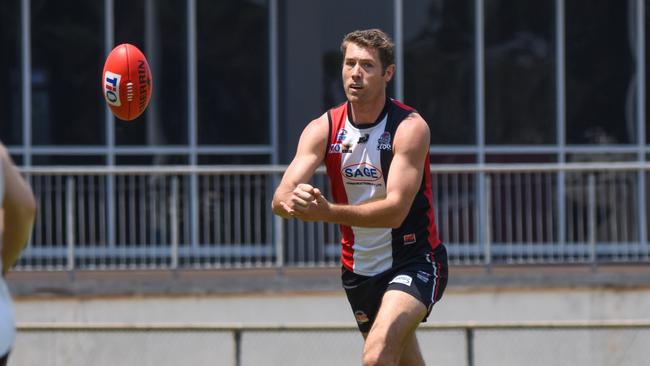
[(217, 217), (611, 342)]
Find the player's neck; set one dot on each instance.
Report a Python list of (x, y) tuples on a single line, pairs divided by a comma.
[(368, 112)]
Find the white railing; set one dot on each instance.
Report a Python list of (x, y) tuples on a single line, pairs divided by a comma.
[(220, 217)]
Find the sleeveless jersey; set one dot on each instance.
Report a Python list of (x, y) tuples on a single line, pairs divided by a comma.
[(358, 160)]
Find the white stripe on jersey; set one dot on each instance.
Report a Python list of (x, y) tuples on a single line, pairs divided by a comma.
[(363, 180)]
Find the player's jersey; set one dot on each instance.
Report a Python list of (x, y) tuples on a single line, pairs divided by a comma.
[(358, 160), (7, 327)]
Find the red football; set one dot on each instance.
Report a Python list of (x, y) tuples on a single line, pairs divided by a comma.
[(126, 81)]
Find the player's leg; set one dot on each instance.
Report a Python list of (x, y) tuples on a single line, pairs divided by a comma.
[(411, 355), (394, 330)]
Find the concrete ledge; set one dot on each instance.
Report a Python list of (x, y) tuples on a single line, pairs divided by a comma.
[(242, 281)]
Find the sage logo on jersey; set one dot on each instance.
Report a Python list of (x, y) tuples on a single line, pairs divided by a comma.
[(363, 172), (383, 143), (112, 88)]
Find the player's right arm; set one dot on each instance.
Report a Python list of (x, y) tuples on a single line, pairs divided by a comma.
[(19, 208), (293, 189)]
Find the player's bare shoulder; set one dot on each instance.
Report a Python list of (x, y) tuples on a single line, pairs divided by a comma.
[(314, 137), (319, 125), (317, 129), (413, 131)]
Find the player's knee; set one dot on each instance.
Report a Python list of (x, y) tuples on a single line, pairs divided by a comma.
[(375, 359), (378, 354)]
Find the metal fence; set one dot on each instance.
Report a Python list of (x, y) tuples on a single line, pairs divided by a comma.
[(605, 342), (220, 217)]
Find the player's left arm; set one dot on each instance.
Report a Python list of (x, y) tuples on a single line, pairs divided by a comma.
[(410, 149)]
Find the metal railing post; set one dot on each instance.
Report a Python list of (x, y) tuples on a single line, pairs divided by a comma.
[(487, 232), (278, 231), (173, 219), (591, 217), (70, 222)]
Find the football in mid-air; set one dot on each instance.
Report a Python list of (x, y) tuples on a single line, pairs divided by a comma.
[(126, 82)]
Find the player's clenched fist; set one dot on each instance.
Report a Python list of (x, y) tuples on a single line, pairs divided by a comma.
[(302, 196)]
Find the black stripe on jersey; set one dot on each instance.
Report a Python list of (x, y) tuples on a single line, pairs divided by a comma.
[(395, 116), (416, 222), (377, 121)]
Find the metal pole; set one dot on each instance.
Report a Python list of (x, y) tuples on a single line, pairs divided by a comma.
[(278, 225), (27, 81), (109, 30), (273, 81), (640, 118), (193, 118), (480, 120), (480, 80), (560, 121), (399, 49)]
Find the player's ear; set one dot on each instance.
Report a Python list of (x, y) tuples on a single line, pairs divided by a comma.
[(389, 72)]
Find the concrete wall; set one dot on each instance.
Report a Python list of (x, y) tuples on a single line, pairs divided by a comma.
[(513, 347)]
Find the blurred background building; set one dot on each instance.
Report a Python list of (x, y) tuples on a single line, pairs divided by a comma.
[(235, 81), (537, 111)]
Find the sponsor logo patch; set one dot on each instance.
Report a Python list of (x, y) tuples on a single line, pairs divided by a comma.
[(362, 172), (383, 143), (112, 88), (361, 317), (145, 83), (340, 135), (403, 279), (363, 139), (335, 149), (409, 238), (423, 276)]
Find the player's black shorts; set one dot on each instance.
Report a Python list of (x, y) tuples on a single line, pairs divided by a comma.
[(3, 359), (424, 277)]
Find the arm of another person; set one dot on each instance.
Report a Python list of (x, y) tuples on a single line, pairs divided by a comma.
[(410, 149), (19, 209), (293, 190)]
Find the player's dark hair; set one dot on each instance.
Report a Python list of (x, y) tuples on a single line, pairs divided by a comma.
[(372, 38)]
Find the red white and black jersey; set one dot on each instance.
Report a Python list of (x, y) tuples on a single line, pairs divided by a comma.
[(358, 160)]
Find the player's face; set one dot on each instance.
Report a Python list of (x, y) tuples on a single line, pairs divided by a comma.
[(363, 77)]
